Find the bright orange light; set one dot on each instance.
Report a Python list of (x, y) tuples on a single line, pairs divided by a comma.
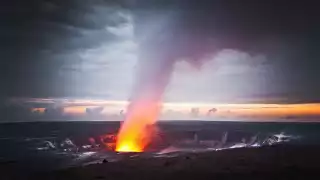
[(128, 147), (134, 134)]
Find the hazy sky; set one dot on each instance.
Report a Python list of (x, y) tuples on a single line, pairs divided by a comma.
[(90, 48)]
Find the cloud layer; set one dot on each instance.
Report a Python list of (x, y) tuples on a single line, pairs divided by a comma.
[(90, 48)]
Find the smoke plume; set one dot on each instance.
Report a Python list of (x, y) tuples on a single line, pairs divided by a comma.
[(168, 31)]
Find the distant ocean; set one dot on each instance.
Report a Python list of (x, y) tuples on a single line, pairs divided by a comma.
[(52, 145)]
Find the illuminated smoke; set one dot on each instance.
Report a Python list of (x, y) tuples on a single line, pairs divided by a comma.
[(155, 67), (164, 35), (160, 46), (143, 111)]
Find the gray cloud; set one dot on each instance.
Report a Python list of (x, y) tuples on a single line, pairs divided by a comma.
[(91, 47), (106, 70), (230, 75)]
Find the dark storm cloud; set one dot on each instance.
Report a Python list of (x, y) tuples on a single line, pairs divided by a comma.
[(47, 24), (35, 34), (38, 37), (286, 32), (233, 24)]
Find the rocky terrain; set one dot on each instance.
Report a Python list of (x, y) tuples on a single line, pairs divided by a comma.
[(276, 162)]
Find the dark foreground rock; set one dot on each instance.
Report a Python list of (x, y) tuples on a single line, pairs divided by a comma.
[(277, 162)]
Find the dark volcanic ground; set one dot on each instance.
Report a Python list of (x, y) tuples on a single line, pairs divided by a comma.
[(273, 162), (26, 152)]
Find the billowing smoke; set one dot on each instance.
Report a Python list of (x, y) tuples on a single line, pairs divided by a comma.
[(168, 32), (156, 34), (162, 40)]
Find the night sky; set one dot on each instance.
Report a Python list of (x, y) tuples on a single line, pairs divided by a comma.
[(223, 50)]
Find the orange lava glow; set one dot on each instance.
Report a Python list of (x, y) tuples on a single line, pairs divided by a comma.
[(134, 134)]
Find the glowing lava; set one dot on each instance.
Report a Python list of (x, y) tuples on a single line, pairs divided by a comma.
[(128, 147), (134, 133)]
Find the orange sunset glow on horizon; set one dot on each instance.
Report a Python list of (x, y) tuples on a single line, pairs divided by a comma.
[(222, 110)]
